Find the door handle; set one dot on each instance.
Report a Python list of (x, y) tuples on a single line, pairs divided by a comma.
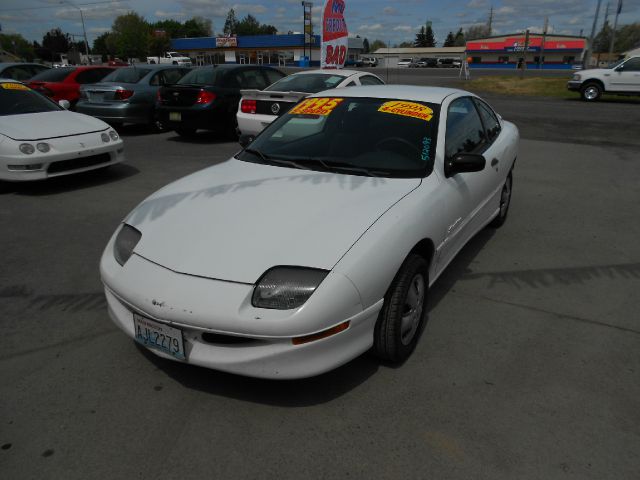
[(494, 162)]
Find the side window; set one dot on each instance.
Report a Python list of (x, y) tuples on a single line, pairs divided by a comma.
[(370, 80), (17, 73), (273, 75), (156, 79), (173, 75), (632, 65), (489, 120), (233, 79), (92, 76), (252, 78), (35, 69), (465, 132), (351, 84)]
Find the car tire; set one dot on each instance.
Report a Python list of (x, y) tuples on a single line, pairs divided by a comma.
[(591, 92), (403, 314), (505, 202), (186, 132)]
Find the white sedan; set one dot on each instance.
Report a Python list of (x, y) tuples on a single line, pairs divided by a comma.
[(258, 108), (319, 240), (40, 139)]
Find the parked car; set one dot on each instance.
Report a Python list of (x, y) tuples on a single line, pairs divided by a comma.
[(207, 97), (64, 83), (622, 78), (258, 108), (449, 63), (405, 62), (171, 58), (128, 95), (40, 139), (20, 71), (369, 61), (426, 62), (319, 240)]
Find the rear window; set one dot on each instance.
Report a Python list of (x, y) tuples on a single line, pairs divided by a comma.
[(202, 76), (127, 75), (53, 75), (308, 82)]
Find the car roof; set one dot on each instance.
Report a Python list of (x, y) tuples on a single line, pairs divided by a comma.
[(401, 92), (153, 66), (335, 71), (13, 64)]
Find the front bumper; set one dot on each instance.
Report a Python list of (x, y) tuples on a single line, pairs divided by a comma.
[(138, 113), (574, 85), (208, 310)]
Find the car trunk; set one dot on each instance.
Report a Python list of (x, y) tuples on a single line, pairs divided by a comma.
[(181, 95), (273, 103), (104, 92)]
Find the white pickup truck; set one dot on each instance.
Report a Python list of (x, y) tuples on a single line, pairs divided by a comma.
[(173, 58), (622, 78)]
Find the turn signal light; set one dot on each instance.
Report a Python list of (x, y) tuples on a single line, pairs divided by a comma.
[(248, 106), (205, 97), (320, 335), (122, 94)]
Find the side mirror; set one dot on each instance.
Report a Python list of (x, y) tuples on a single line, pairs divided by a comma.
[(245, 140), (464, 162), (619, 68), (64, 104)]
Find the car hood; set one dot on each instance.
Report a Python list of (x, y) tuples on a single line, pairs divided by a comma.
[(44, 125), (235, 220)]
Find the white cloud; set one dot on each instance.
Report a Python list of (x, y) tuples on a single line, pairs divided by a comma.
[(478, 4), (98, 30), (252, 9), (403, 28), (163, 14), (376, 27)]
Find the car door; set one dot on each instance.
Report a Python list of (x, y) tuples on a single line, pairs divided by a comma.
[(626, 78), (468, 195)]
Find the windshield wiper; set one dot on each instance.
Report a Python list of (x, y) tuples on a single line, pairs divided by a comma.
[(258, 153), (269, 159)]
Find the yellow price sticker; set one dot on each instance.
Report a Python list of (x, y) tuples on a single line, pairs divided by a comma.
[(316, 106), (407, 109), (14, 86)]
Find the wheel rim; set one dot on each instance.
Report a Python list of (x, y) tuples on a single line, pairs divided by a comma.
[(412, 311), (591, 93), (505, 197)]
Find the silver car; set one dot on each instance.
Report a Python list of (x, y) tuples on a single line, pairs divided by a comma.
[(128, 95)]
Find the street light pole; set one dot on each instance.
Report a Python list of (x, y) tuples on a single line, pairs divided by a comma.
[(84, 31)]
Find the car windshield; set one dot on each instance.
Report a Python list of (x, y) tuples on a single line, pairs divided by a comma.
[(16, 99), (202, 76), (53, 75), (618, 63), (308, 82), (356, 136), (127, 75)]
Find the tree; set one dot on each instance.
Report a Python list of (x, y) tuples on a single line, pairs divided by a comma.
[(420, 38), (429, 38), (405, 45), (365, 46), (450, 40), (250, 25), (377, 44), (424, 38), (476, 31), (231, 23), (103, 45), (627, 37), (172, 28), (131, 36), (197, 27), (459, 39), (603, 39), (56, 42), (16, 44), (159, 43)]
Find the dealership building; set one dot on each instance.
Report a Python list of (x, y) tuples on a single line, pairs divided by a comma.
[(507, 51), (280, 50)]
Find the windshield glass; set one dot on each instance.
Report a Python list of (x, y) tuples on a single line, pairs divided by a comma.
[(309, 83), (16, 98), (202, 76), (618, 63), (127, 75), (53, 74), (356, 136)]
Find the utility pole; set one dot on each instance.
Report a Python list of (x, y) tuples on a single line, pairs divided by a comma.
[(615, 26), (490, 20), (544, 39), (524, 54), (84, 31), (587, 57)]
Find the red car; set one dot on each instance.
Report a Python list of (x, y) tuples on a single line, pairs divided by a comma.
[(64, 83)]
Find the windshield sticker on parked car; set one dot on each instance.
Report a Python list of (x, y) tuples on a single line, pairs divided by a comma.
[(407, 109), (14, 86), (316, 106)]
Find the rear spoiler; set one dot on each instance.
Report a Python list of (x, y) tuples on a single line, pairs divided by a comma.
[(273, 95)]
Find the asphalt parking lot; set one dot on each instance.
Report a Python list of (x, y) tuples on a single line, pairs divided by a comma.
[(528, 368)]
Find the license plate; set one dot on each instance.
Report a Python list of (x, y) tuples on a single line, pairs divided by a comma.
[(175, 116), (96, 97), (159, 336)]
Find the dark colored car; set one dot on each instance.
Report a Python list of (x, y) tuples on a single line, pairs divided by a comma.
[(427, 62), (64, 83), (21, 71), (207, 97), (128, 95)]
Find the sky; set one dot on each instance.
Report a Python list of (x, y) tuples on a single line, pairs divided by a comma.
[(392, 21)]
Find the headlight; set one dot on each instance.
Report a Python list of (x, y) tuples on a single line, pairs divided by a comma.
[(26, 148), (113, 135), (285, 288), (126, 241), (105, 138), (576, 77), (43, 147)]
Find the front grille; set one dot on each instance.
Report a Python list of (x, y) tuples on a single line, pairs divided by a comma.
[(77, 163), (264, 107)]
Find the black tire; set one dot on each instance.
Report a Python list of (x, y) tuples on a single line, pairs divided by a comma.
[(591, 92), (402, 317), (186, 132), (505, 202)]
